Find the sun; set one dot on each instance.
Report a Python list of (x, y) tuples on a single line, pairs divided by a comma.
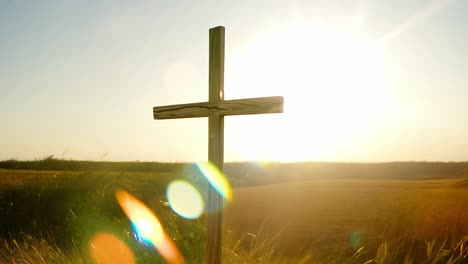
[(333, 85)]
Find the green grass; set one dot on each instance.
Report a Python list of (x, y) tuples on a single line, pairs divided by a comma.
[(28, 249), (73, 207), (50, 163), (51, 216)]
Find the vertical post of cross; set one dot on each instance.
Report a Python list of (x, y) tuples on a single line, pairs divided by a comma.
[(215, 109), (215, 143)]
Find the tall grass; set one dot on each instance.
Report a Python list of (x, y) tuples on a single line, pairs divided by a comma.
[(74, 207), (51, 219), (257, 248), (27, 249)]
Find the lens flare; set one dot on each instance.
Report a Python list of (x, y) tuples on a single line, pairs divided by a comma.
[(216, 179), (108, 249), (185, 199), (143, 231), (148, 227)]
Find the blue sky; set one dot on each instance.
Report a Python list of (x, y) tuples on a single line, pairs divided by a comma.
[(79, 79)]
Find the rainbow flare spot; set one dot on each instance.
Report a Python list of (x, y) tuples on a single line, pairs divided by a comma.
[(148, 227), (216, 179)]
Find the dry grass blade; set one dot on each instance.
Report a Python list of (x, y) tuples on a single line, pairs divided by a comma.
[(29, 250)]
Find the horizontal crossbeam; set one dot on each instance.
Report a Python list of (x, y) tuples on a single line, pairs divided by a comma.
[(249, 106)]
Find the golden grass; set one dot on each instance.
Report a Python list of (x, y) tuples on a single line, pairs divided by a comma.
[(10, 178), (336, 221), (332, 217), (262, 250), (27, 249)]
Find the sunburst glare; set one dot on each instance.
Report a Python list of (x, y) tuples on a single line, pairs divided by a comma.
[(326, 74)]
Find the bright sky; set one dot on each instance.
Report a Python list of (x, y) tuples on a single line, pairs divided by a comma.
[(363, 81)]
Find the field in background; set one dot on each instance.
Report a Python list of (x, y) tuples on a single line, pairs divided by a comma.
[(343, 215), (243, 174), (293, 219)]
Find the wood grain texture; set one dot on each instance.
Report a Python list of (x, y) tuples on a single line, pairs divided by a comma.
[(249, 106), (215, 144)]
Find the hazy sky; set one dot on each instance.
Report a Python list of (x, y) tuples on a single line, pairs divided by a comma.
[(362, 80)]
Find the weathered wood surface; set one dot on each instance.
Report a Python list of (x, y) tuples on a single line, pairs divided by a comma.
[(250, 106), (215, 145)]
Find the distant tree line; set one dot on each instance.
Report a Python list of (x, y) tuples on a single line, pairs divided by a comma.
[(51, 163), (252, 173), (248, 173)]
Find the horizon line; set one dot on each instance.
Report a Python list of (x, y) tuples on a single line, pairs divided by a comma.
[(237, 161)]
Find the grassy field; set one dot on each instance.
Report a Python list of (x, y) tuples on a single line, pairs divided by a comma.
[(65, 210), (332, 217), (51, 216)]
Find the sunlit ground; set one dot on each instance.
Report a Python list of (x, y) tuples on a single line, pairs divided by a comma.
[(267, 221)]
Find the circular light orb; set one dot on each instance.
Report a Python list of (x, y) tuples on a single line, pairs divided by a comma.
[(185, 199), (108, 249)]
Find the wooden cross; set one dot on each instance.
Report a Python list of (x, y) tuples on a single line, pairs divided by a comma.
[(215, 109)]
